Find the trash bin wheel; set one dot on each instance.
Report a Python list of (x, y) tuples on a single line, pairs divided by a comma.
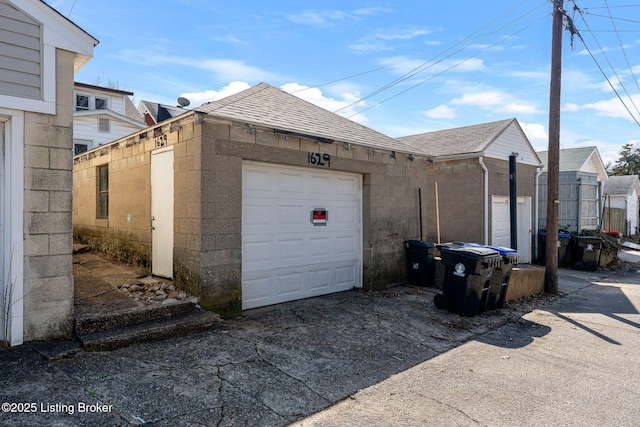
[(440, 301)]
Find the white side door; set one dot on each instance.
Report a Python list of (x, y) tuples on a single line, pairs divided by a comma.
[(162, 212), (501, 225)]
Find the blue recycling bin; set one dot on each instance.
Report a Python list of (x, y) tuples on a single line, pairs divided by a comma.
[(468, 272)]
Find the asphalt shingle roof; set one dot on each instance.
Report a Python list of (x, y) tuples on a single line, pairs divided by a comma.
[(465, 140), (268, 106), (571, 159), (620, 185)]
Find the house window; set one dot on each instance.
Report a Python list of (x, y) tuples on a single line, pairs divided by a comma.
[(79, 148), (103, 192), (102, 104), (82, 102), (104, 125)]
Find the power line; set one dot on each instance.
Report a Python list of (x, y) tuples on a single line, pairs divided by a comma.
[(430, 63), (576, 8), (624, 53), (71, 10), (448, 69)]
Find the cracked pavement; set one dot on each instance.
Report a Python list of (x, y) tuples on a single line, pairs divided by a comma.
[(272, 367)]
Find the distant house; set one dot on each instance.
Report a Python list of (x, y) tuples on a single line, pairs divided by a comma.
[(621, 204), (102, 115), (155, 113), (40, 51), (471, 171), (582, 174)]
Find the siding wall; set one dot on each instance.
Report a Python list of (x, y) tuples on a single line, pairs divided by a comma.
[(20, 53), (86, 128), (570, 190)]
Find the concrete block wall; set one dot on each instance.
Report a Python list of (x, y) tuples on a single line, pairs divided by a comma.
[(48, 277), (460, 201)]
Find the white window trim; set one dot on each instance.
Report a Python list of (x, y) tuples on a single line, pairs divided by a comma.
[(12, 243)]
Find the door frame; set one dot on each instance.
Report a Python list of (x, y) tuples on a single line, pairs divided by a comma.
[(11, 234)]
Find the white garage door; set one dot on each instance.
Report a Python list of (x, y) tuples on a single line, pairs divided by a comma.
[(285, 256), (501, 225)]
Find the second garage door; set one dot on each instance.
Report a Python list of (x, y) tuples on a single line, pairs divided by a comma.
[(301, 233)]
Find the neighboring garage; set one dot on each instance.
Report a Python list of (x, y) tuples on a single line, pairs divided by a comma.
[(288, 254), (253, 200)]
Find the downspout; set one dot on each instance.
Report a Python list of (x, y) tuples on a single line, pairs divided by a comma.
[(486, 200), (535, 215), (579, 222)]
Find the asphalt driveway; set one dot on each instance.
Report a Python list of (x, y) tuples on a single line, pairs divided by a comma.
[(272, 367)]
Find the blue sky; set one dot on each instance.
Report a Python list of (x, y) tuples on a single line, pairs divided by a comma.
[(399, 67)]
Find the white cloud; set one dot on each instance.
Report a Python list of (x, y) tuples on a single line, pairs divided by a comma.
[(222, 69), (324, 18), (498, 102), (615, 108), (571, 107), (346, 105), (380, 40), (441, 112), (537, 135), (199, 98)]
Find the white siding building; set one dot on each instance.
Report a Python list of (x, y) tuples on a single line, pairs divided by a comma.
[(102, 115)]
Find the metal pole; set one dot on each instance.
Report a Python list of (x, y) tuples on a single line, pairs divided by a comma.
[(513, 200)]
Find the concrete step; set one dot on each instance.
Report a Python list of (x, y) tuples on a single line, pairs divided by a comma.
[(96, 322), (169, 327)]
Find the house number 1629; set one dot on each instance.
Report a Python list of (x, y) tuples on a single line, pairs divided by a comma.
[(319, 159)]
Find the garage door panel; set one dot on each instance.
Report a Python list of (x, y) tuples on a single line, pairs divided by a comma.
[(290, 283), (257, 181), (291, 249), (346, 274), (320, 279), (289, 183), (319, 248), (346, 246), (300, 260)]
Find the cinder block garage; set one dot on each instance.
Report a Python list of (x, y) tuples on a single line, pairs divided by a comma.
[(253, 200)]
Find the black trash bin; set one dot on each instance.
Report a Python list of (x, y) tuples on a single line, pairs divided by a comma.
[(421, 264), (468, 272), (564, 253), (586, 252), (499, 283)]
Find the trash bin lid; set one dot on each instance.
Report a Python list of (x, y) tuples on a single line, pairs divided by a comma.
[(421, 243), (504, 251), (471, 250), (565, 235)]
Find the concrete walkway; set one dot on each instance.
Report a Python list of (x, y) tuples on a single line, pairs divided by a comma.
[(358, 358), (573, 363)]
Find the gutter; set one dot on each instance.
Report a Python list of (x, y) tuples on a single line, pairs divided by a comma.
[(486, 200)]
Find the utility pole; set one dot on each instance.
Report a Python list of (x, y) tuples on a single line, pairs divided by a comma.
[(553, 164)]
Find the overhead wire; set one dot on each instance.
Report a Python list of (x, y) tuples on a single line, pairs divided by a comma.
[(430, 63), (448, 69), (577, 32), (624, 53), (416, 69)]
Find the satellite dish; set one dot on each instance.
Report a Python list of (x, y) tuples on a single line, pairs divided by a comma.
[(183, 102)]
